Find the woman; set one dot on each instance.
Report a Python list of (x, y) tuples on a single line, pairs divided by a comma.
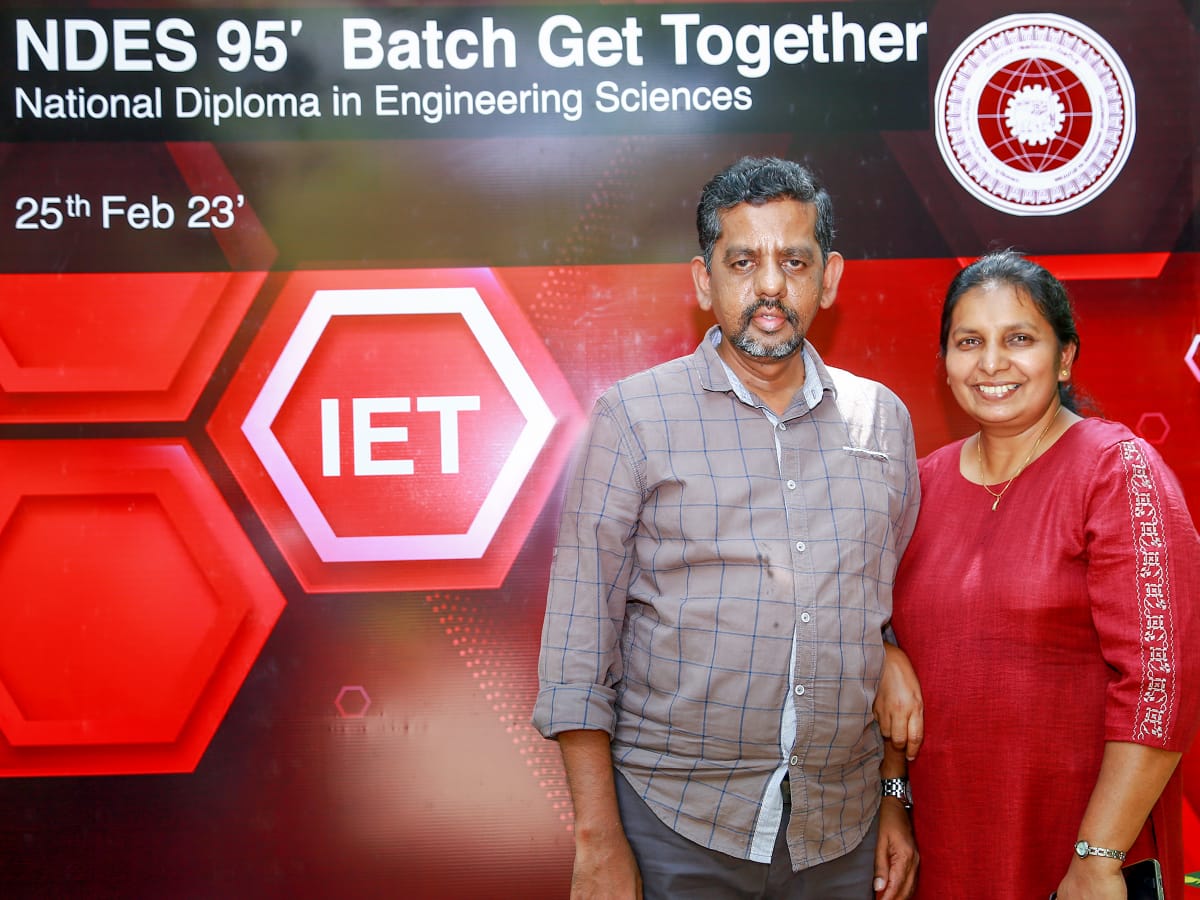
[(1048, 602)]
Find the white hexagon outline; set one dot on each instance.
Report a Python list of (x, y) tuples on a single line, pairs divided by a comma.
[(1189, 358), (324, 305)]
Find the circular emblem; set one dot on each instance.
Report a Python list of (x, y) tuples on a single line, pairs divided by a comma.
[(1034, 114)]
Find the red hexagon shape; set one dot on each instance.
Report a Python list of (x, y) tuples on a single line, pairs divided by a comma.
[(142, 345), (1153, 427), (130, 346), (384, 423), (132, 606)]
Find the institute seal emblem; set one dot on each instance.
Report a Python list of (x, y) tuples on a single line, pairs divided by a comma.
[(1034, 114)]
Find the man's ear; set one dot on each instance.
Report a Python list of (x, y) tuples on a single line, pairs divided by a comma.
[(831, 278), (702, 278)]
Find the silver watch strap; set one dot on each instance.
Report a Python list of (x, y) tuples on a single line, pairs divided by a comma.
[(1083, 850), (898, 788)]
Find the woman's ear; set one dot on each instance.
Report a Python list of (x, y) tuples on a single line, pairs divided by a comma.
[(1069, 352)]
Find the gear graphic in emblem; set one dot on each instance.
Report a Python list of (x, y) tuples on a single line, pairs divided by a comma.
[(1034, 114)]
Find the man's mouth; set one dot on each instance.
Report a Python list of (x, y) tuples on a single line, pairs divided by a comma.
[(769, 316)]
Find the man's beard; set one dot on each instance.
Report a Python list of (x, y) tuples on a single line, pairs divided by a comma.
[(753, 347)]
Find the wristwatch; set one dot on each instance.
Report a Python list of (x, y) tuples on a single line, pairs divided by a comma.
[(900, 789), (1083, 850)]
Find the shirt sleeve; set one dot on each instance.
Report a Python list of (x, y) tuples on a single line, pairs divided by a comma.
[(910, 500), (580, 661), (911, 503), (1144, 585)]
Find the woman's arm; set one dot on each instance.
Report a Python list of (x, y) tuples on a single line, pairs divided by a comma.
[(899, 708), (1132, 778)]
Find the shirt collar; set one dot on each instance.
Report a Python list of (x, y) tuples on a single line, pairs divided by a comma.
[(717, 376)]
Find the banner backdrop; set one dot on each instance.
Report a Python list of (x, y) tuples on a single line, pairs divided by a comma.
[(301, 311)]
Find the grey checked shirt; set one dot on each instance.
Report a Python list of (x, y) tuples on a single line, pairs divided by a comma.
[(718, 594)]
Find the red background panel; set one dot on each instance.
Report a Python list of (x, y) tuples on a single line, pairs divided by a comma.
[(273, 725)]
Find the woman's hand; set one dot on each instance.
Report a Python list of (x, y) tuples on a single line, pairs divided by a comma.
[(899, 708), (1093, 879)]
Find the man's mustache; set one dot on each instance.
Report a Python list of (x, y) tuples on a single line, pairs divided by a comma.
[(774, 305)]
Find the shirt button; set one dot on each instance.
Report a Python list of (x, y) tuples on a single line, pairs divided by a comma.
[(791, 485), (794, 761), (783, 426), (801, 546), (799, 690), (805, 618)]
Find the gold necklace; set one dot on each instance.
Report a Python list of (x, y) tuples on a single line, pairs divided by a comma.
[(1020, 469)]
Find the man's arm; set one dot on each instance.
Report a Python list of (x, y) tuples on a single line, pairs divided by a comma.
[(896, 853), (604, 862)]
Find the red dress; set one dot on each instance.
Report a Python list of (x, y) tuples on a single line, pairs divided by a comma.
[(1067, 617)]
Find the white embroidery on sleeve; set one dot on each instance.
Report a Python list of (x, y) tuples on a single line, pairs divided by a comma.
[(1153, 591)]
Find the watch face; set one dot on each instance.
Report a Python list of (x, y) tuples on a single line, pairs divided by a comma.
[(1081, 849)]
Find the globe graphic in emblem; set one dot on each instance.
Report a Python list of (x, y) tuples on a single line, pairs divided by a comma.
[(1035, 115)]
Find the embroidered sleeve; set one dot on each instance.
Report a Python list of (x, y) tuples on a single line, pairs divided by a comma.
[(1144, 583)]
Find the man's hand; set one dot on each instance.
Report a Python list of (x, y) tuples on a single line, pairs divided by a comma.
[(899, 707), (896, 855), (605, 869)]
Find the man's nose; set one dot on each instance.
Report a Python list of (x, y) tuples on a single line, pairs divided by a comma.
[(770, 281)]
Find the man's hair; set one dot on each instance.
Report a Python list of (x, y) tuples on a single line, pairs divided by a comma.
[(759, 180)]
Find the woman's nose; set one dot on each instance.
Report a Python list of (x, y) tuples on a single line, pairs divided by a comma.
[(993, 358)]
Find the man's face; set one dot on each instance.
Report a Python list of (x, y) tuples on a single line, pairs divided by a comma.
[(767, 279)]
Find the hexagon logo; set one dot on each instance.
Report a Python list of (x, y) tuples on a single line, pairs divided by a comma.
[(132, 606), (387, 423)]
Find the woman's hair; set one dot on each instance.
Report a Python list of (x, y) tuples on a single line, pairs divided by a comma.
[(759, 180), (1029, 279)]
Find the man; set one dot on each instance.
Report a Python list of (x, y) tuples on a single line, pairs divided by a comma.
[(713, 635)]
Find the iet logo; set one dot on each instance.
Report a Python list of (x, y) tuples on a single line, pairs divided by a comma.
[(400, 427)]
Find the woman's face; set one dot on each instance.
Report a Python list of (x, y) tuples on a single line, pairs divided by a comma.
[(1003, 359)]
